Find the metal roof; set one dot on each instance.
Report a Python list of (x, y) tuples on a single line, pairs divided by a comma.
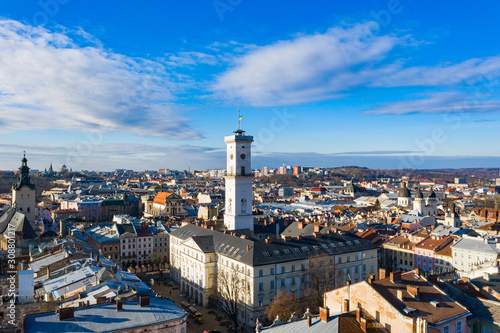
[(105, 318)]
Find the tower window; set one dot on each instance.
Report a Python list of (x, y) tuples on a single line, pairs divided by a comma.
[(243, 206), (242, 170)]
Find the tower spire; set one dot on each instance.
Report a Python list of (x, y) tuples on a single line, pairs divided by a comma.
[(239, 131)]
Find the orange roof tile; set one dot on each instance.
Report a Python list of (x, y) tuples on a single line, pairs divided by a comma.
[(161, 197)]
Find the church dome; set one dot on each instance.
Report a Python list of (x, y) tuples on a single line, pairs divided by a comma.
[(404, 192), (431, 194), (418, 194)]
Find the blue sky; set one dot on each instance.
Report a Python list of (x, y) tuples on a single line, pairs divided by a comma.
[(118, 84)]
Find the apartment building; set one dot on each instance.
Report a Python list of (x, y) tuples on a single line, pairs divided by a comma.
[(200, 257)]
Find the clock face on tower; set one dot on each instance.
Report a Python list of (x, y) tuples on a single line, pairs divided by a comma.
[(243, 156)]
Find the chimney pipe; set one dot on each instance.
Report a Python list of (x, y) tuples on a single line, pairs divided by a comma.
[(309, 321), (395, 277), (413, 291), (66, 313), (143, 301), (119, 305), (346, 305), (363, 324), (324, 314), (382, 273)]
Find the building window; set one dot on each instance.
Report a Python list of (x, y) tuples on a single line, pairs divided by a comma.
[(459, 326), (446, 329), (272, 271), (243, 206), (283, 283), (261, 301), (261, 286), (261, 272), (282, 269), (272, 284)]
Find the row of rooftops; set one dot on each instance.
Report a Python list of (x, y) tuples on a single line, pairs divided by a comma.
[(263, 252)]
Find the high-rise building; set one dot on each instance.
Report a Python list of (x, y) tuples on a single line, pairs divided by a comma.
[(238, 207)]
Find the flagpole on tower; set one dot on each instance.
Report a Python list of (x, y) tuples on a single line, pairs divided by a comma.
[(238, 120)]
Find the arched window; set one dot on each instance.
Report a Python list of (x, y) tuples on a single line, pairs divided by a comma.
[(229, 202), (243, 206)]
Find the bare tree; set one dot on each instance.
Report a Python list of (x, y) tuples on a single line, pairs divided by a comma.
[(284, 305), (323, 276), (231, 292)]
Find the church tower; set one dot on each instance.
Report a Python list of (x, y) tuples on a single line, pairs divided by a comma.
[(23, 192), (431, 203), (404, 196), (419, 203), (452, 217), (238, 210)]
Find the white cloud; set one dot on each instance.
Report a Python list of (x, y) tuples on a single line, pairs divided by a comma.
[(191, 59), (47, 81), (112, 156), (307, 68), (469, 72), (440, 102), (319, 67)]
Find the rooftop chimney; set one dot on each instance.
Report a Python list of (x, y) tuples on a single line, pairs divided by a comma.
[(48, 272), (400, 294), (418, 271), (363, 324), (143, 300), (413, 290), (309, 321), (316, 228), (67, 313), (119, 305), (486, 276), (346, 305), (382, 273), (324, 314), (358, 315), (301, 225), (395, 277)]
